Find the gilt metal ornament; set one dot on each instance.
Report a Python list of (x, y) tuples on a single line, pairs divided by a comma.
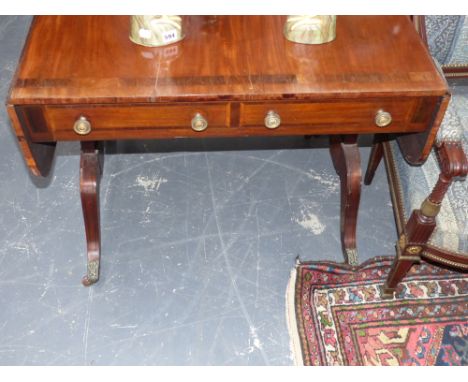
[(310, 29), (150, 30)]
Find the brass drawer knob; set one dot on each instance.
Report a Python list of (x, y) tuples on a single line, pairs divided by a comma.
[(383, 118), (272, 120), (199, 123), (82, 126)]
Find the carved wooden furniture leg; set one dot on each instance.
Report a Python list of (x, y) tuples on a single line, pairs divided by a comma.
[(345, 155), (422, 222), (91, 164), (375, 158)]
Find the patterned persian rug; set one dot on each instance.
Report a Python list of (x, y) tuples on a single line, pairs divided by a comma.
[(337, 317)]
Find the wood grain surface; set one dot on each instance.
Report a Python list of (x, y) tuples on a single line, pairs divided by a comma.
[(89, 59)]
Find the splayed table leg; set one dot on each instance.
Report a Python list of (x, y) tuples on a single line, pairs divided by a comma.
[(345, 155), (91, 164)]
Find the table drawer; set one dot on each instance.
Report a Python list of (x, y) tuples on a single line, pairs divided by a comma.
[(337, 117), (224, 119), (132, 121)]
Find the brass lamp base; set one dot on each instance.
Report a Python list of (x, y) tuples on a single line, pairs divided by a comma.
[(310, 29), (156, 30)]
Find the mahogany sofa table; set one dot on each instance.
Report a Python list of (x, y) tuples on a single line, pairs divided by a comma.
[(80, 78)]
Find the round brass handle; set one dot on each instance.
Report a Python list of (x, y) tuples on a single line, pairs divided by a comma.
[(383, 118), (199, 123), (272, 120), (82, 126)]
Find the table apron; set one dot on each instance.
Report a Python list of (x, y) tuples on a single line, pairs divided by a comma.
[(51, 123)]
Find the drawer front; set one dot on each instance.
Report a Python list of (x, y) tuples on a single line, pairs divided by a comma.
[(224, 119), (136, 122), (337, 117)]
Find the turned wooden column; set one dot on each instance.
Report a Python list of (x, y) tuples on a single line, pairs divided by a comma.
[(422, 222)]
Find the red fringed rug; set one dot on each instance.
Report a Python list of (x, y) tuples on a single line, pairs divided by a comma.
[(336, 316)]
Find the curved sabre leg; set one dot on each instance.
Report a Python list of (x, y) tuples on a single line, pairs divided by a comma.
[(345, 155), (91, 163), (375, 158)]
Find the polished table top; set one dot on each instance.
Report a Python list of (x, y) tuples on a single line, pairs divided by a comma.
[(90, 59)]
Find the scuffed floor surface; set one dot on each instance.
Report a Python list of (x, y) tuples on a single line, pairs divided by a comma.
[(198, 241)]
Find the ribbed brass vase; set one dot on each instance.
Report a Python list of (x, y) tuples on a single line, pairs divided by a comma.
[(149, 30), (310, 29)]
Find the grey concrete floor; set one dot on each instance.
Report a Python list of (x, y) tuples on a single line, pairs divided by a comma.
[(198, 241)]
